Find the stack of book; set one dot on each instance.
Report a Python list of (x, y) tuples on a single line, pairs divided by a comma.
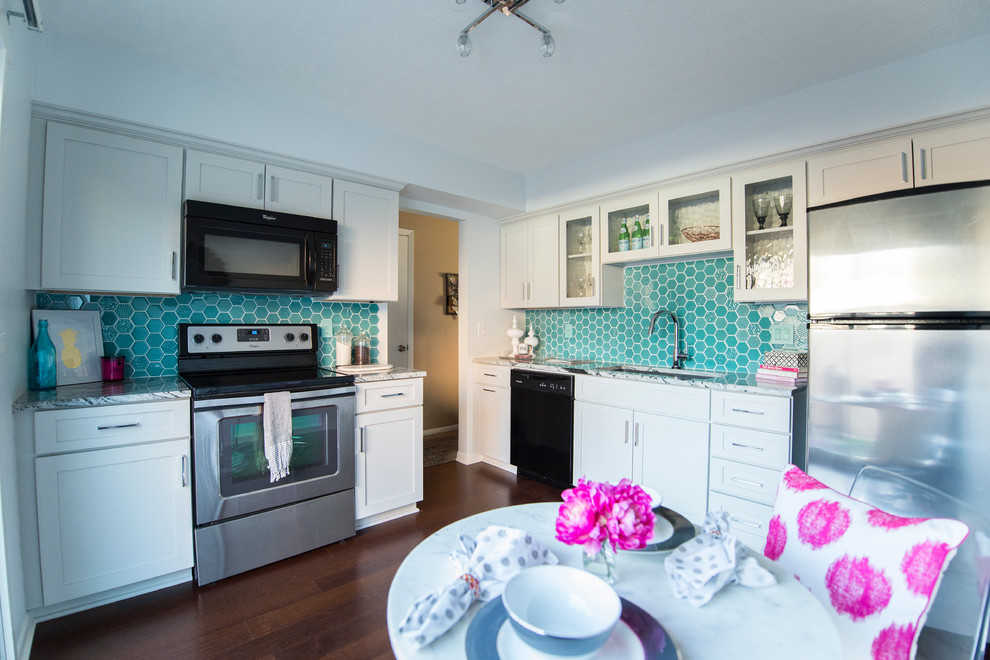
[(785, 367)]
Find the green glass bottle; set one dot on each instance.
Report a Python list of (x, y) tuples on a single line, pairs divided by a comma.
[(623, 237), (636, 242), (646, 232), (41, 360)]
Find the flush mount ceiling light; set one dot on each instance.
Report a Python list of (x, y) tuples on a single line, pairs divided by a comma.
[(509, 8)]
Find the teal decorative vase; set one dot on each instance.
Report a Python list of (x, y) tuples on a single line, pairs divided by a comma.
[(41, 360)]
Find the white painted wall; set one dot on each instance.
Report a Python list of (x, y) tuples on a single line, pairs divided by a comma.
[(107, 82), (15, 306), (941, 82)]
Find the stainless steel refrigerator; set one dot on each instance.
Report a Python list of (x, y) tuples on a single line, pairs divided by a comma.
[(899, 343)]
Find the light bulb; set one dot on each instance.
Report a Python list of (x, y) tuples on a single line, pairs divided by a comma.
[(546, 45), (464, 45)]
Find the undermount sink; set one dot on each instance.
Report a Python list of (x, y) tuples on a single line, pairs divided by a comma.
[(659, 371)]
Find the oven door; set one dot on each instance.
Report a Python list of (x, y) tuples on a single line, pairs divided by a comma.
[(221, 254), (231, 472)]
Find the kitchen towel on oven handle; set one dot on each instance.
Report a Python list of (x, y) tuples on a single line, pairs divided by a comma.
[(277, 422)]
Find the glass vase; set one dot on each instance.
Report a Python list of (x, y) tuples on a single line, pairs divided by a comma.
[(602, 563), (41, 360)]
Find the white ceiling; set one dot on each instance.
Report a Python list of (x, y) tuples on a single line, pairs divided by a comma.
[(623, 69)]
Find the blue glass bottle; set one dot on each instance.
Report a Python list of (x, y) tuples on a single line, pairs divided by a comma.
[(41, 360)]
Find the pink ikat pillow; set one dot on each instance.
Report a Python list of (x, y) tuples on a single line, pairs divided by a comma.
[(876, 573)]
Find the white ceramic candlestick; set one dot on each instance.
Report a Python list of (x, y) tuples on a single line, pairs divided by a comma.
[(515, 334)]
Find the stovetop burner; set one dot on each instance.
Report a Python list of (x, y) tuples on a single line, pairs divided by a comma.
[(232, 359)]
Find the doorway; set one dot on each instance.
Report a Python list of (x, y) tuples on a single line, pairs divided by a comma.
[(400, 314)]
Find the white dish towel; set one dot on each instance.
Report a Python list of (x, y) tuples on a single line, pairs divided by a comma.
[(277, 419)]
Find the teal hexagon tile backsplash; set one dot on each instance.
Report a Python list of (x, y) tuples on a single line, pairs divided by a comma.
[(717, 332), (145, 329)]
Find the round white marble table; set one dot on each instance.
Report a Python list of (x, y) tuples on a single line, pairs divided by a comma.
[(781, 621)]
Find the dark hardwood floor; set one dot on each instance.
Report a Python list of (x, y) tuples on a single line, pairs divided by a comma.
[(328, 603)]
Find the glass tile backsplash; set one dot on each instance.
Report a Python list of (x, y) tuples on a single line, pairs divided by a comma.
[(717, 332), (145, 329)]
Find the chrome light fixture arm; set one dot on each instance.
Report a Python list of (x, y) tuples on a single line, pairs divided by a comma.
[(509, 8)]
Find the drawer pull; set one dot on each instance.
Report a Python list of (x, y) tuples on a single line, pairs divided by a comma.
[(747, 482), (743, 521), (748, 412), (741, 445), (388, 396), (485, 373), (118, 426), (485, 389)]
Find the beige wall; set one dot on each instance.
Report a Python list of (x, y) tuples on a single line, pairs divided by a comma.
[(435, 333)]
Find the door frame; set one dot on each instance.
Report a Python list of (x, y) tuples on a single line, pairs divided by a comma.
[(410, 294)]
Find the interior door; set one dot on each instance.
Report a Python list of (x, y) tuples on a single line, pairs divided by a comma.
[(400, 313)]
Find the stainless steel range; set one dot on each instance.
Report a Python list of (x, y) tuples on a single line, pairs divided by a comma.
[(244, 516)]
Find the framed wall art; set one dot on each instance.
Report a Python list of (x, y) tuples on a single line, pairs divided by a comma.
[(78, 339), (450, 293)]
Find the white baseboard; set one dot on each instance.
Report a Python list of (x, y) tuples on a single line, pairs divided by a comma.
[(25, 637), (46, 612), (441, 429)]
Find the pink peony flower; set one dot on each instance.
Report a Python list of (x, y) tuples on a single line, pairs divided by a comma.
[(597, 512)]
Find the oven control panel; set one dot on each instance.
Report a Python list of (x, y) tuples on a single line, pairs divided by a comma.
[(265, 338)]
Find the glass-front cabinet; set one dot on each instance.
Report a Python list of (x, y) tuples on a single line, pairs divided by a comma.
[(584, 282), (695, 218), (770, 234), (628, 229)]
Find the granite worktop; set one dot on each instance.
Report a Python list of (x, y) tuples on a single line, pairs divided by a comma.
[(130, 390), (729, 381), (395, 373)]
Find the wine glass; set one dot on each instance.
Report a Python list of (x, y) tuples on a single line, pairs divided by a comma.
[(761, 208), (782, 203)]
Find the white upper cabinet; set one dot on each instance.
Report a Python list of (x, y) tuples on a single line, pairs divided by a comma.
[(584, 282), (112, 213), (696, 218), (624, 223), (242, 182), (367, 242), (950, 155), (770, 234), (530, 263)]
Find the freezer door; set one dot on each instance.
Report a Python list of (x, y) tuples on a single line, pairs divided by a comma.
[(914, 254), (912, 399)]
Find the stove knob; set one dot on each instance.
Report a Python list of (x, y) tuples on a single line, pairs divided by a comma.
[(303, 337), (216, 338), (198, 338), (290, 337)]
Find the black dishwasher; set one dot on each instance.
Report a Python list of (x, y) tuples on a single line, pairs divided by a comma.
[(541, 426)]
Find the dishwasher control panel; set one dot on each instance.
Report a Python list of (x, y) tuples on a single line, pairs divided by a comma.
[(538, 381)]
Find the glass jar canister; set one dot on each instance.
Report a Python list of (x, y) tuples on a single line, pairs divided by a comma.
[(342, 347), (41, 360), (361, 353)]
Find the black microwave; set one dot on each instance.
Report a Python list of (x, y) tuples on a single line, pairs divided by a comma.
[(230, 248)]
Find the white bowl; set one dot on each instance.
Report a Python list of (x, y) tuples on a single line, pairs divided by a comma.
[(561, 610)]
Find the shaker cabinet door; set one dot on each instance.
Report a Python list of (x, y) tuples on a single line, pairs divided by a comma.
[(388, 448), (602, 442), (112, 213), (367, 241), (224, 179)]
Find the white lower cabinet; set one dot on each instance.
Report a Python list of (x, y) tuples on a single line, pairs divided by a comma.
[(753, 436), (492, 409), (627, 432), (388, 445), (118, 514)]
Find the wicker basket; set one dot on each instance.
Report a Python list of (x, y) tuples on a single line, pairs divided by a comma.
[(702, 233)]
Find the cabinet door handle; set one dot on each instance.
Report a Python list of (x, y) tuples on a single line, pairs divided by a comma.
[(389, 396), (592, 285), (524, 291), (273, 179), (924, 164), (748, 412), (747, 482), (529, 290), (739, 444), (108, 427), (660, 236), (743, 521), (636, 434), (361, 447), (904, 167), (261, 187), (627, 433), (737, 276), (185, 470), (175, 266)]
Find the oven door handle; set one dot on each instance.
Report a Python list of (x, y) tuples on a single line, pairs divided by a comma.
[(300, 400)]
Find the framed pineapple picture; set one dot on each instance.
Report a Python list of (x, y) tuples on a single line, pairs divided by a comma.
[(78, 339)]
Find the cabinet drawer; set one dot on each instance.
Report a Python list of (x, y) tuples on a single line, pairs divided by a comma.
[(387, 394), (770, 450), (493, 376), (690, 402), (756, 411), (77, 429), (748, 521), (755, 483)]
